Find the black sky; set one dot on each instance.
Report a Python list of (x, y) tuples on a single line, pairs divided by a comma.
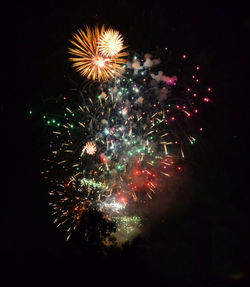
[(201, 243)]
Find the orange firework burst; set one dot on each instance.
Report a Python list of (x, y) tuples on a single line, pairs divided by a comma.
[(90, 148), (90, 61)]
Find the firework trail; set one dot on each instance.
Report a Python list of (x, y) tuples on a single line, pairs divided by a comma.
[(117, 147)]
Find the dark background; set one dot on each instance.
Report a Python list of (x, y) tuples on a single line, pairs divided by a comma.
[(205, 242)]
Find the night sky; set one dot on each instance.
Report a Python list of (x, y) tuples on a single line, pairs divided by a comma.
[(204, 240)]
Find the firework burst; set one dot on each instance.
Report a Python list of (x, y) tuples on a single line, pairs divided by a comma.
[(110, 43), (90, 148), (91, 59)]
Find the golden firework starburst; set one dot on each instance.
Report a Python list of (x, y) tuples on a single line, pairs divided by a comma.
[(110, 43), (90, 61), (89, 148)]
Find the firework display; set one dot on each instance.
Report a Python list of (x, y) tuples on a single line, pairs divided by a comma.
[(115, 148)]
